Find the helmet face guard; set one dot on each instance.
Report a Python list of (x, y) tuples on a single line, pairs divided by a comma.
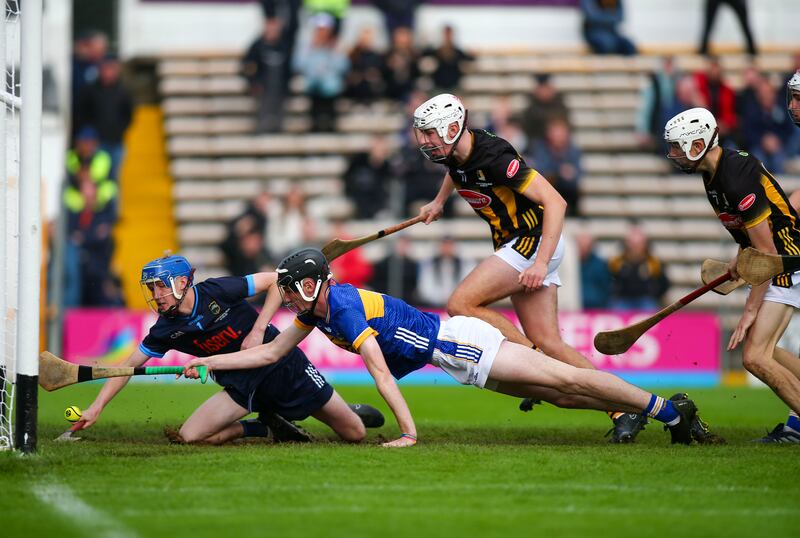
[(292, 272), (793, 98), (437, 114), (684, 129), (166, 270)]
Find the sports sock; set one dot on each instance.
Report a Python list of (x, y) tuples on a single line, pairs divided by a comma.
[(792, 423), (254, 428), (662, 410)]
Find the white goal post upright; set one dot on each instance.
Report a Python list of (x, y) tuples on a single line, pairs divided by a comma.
[(30, 224)]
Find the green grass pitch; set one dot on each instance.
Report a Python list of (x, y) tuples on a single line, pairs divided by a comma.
[(482, 468)]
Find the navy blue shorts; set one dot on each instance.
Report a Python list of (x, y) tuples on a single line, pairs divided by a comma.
[(294, 389)]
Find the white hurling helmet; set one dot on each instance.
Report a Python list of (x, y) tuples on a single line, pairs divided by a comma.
[(688, 126), (793, 87), (438, 113)]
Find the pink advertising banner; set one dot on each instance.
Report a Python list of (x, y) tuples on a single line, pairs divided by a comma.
[(683, 349)]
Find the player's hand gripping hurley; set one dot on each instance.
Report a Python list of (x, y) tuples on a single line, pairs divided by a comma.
[(336, 247), (55, 373)]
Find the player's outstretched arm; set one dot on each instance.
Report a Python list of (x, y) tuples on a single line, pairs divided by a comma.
[(267, 281), (540, 190), (250, 358), (372, 355), (761, 238), (109, 390), (433, 210)]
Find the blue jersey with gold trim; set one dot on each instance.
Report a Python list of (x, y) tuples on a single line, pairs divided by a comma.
[(406, 335)]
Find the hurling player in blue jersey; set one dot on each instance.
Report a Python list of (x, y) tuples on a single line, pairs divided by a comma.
[(212, 317), (394, 339)]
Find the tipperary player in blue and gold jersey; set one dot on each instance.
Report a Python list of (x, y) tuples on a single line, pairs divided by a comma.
[(213, 316), (395, 339)]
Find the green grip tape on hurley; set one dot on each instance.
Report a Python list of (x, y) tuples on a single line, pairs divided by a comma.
[(203, 371), (156, 370)]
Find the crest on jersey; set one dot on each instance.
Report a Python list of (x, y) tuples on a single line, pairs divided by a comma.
[(214, 307), (475, 199), (513, 168), (747, 202)]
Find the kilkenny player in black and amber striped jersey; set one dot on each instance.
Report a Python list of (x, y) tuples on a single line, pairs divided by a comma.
[(492, 181), (526, 216), (743, 194), (754, 209)]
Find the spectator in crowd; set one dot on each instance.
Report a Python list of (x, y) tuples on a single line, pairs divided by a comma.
[(448, 63), (265, 67), (88, 51), (687, 96), (352, 267), (440, 274), (601, 19), (638, 278), (656, 97), (710, 13), (746, 98), (89, 199), (505, 124), (767, 128), (544, 104), (400, 64), (365, 78), (366, 178), (397, 13), (87, 155), (287, 12), (595, 277), (558, 159), (720, 98), (290, 225), (324, 70), (397, 273), (244, 244), (107, 106), (336, 9)]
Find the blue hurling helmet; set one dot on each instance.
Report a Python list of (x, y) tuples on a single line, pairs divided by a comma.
[(166, 269)]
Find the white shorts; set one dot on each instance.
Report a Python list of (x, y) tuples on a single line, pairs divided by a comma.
[(520, 262), (787, 296), (466, 348)]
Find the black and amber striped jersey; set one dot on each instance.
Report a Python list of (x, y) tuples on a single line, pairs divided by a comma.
[(743, 193), (492, 180)]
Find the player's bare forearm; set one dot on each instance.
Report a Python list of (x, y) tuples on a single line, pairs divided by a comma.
[(555, 210), (386, 385), (256, 356), (756, 297), (445, 190), (115, 384), (272, 303)]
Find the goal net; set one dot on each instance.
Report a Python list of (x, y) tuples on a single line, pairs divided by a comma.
[(9, 194)]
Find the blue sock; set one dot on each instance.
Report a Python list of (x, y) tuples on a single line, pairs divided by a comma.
[(662, 410), (253, 428), (792, 423)]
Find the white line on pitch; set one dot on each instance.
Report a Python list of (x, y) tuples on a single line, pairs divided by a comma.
[(64, 500)]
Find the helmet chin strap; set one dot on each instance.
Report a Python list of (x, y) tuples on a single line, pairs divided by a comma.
[(172, 311), (314, 298)]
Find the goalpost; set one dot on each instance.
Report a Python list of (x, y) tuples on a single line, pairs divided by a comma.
[(20, 217)]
